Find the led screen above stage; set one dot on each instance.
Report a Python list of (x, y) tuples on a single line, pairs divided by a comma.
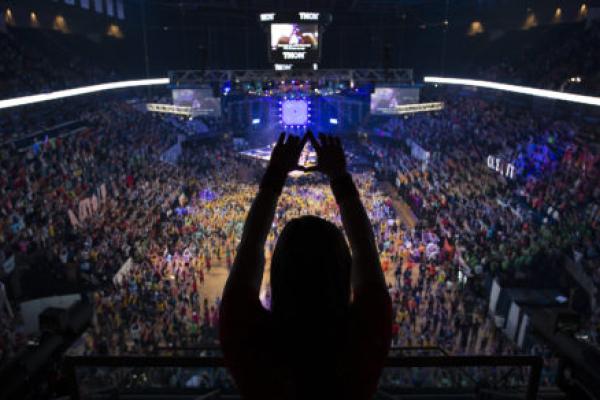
[(294, 43), (294, 113), (201, 101), (384, 100)]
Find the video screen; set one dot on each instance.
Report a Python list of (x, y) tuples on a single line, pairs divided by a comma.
[(385, 99), (294, 43), (294, 112), (202, 101)]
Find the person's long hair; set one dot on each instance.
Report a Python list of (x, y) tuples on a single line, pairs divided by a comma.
[(310, 293)]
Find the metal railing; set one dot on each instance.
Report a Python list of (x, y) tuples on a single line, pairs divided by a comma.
[(79, 369), (196, 78)]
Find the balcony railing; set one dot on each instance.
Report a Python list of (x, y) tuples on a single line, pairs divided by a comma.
[(408, 372)]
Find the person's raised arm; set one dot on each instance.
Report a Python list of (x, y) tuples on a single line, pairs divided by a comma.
[(367, 275), (371, 309), (241, 316), (248, 266)]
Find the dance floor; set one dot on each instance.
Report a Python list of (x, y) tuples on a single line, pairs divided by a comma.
[(308, 158)]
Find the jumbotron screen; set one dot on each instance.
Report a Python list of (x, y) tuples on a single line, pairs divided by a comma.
[(385, 99), (202, 101), (295, 43)]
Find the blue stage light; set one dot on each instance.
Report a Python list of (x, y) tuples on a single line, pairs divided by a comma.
[(294, 112)]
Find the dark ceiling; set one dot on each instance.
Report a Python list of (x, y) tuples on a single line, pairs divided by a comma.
[(347, 12), (422, 34)]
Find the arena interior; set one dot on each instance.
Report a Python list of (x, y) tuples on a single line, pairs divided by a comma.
[(137, 134)]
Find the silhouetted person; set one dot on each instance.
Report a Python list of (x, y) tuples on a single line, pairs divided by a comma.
[(329, 328)]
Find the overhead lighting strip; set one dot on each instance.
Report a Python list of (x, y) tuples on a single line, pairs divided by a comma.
[(61, 94), (549, 94)]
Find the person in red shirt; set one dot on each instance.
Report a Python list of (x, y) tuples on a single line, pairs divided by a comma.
[(329, 328)]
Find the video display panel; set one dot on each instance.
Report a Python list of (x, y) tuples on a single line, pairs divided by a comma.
[(294, 112), (202, 101), (385, 99), (294, 42)]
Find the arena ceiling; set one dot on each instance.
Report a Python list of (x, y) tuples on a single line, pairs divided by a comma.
[(317, 5), (411, 15), (409, 12)]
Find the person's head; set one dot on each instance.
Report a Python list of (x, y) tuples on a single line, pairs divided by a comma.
[(310, 278)]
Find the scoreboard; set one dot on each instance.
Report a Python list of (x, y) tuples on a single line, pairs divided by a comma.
[(294, 38)]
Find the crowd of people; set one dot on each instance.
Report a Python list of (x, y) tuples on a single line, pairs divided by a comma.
[(164, 301), (43, 65), (573, 54), (501, 225), (148, 241), (152, 231), (43, 225)]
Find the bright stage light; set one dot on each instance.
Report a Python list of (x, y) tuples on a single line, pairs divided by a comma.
[(169, 109), (549, 94), (295, 112), (333, 121), (61, 94), (256, 121)]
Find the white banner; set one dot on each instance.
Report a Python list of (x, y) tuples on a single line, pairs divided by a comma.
[(502, 167), (123, 271), (9, 265), (512, 323), (120, 10), (417, 151), (522, 331), (172, 154), (494, 295), (110, 8)]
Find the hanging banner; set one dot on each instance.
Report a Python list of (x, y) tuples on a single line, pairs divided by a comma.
[(502, 167), (98, 6), (120, 10), (110, 8)]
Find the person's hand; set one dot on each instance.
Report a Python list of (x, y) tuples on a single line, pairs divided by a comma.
[(331, 159), (286, 153)]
